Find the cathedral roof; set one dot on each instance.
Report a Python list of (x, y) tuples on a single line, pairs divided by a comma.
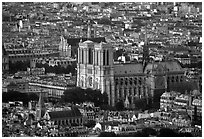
[(167, 66), (120, 69)]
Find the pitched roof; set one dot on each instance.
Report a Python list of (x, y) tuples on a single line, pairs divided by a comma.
[(129, 68), (74, 112), (169, 66)]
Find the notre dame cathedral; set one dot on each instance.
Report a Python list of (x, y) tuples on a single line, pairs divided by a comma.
[(125, 81)]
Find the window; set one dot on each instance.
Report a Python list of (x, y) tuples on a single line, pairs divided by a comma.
[(121, 81), (82, 56), (135, 81), (97, 58), (104, 58), (126, 81), (181, 79), (82, 82), (107, 57), (177, 79), (90, 58), (172, 79), (131, 81), (116, 81), (168, 79), (140, 81)]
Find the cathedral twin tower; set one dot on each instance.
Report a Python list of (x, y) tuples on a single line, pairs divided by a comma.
[(95, 68)]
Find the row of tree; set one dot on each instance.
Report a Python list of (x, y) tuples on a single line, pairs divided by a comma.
[(149, 132), (23, 65), (183, 87), (192, 65), (78, 95), (18, 96), (18, 66), (58, 69)]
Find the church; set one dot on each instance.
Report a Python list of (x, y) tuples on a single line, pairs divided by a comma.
[(128, 82)]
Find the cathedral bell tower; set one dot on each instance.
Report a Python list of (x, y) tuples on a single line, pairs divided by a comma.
[(95, 68)]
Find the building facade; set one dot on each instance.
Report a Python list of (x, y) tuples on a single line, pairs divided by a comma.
[(167, 100), (26, 54), (53, 61)]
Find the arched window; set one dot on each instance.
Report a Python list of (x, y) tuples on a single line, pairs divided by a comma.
[(116, 81), (104, 58), (82, 56), (135, 81), (181, 79), (82, 82), (121, 81), (172, 79), (177, 79), (96, 84), (131, 81), (140, 81), (97, 57), (168, 79), (90, 56), (107, 54), (126, 81)]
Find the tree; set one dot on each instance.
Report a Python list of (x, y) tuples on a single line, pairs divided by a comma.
[(119, 105), (146, 132), (74, 95), (166, 132), (33, 97), (118, 53), (185, 135), (138, 134), (107, 107), (90, 124), (107, 134), (183, 87), (58, 69), (18, 66), (18, 96), (78, 95)]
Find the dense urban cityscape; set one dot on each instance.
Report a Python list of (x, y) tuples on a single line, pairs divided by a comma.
[(102, 69)]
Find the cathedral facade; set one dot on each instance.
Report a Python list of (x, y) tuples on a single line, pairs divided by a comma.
[(125, 81)]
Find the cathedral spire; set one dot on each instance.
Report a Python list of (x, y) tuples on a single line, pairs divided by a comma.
[(40, 107), (126, 103), (89, 30)]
